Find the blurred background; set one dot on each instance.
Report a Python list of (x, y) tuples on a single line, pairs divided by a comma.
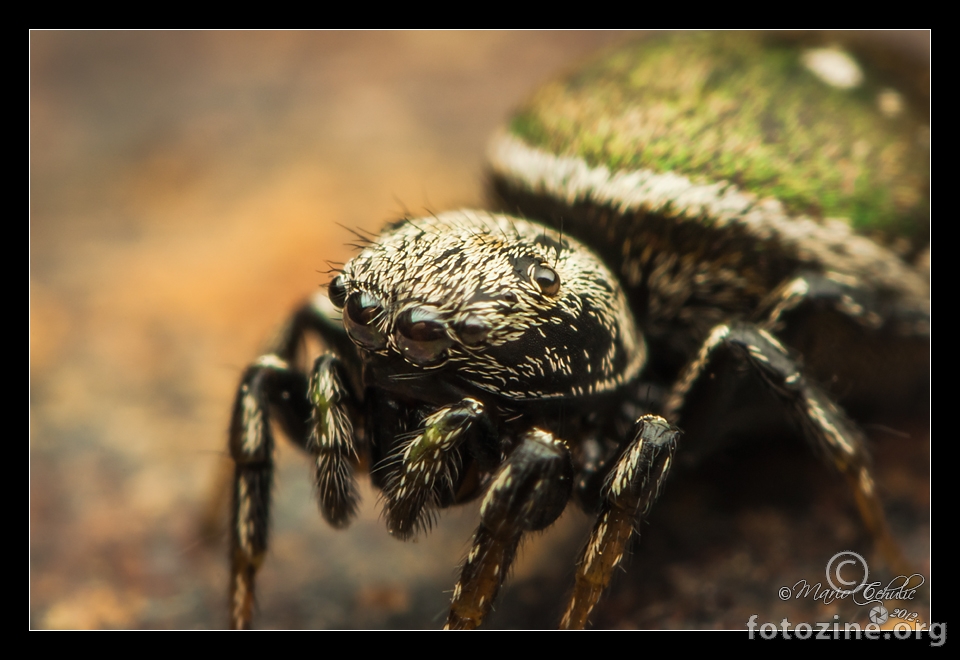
[(188, 189)]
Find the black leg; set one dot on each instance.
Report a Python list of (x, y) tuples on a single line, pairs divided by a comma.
[(528, 493), (628, 493), (825, 426), (266, 384), (315, 416)]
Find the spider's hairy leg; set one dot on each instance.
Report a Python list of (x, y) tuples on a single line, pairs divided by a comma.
[(314, 415), (528, 493), (825, 426), (427, 467), (331, 439), (628, 493), (267, 385), (823, 315), (813, 295), (316, 316), (332, 442)]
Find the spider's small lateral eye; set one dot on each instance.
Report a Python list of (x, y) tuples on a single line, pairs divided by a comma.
[(547, 279), (337, 292), (472, 331), (422, 337), (360, 314)]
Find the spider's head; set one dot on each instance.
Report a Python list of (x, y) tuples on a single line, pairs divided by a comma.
[(472, 300)]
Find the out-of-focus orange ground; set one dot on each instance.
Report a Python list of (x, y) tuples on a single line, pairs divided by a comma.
[(187, 190)]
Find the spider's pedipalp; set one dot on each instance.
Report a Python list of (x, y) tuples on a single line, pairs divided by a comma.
[(427, 467), (332, 442)]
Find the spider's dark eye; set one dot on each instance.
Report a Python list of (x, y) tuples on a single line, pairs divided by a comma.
[(360, 316), (337, 292), (547, 279), (472, 331), (422, 337)]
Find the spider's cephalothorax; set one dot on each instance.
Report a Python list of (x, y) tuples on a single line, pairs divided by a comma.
[(484, 304), (707, 208)]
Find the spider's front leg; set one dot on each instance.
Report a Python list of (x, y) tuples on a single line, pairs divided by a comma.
[(629, 491), (528, 493), (316, 415)]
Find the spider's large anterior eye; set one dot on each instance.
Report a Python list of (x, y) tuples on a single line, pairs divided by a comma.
[(422, 336), (337, 292), (547, 279), (360, 314)]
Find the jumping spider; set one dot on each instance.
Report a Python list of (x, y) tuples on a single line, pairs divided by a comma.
[(471, 354)]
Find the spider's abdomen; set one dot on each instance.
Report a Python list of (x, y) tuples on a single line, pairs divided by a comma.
[(710, 169)]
